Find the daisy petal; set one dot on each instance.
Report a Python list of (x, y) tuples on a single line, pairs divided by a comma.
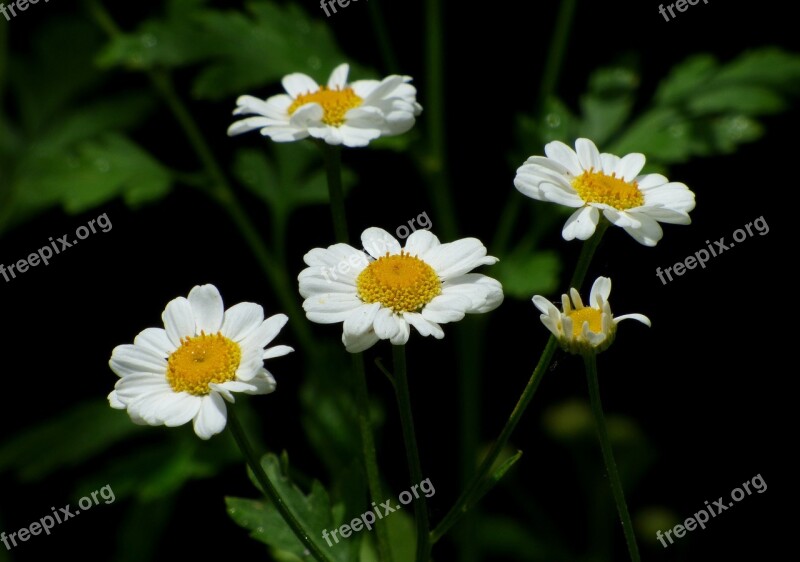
[(211, 417), (581, 224), (207, 308), (178, 320), (241, 319)]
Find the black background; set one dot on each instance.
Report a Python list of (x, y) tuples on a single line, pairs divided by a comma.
[(710, 383)]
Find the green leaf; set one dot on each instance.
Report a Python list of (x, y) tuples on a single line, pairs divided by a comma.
[(97, 425), (53, 76), (90, 175), (608, 103), (314, 510), (494, 478), (686, 79), (744, 98), (240, 52), (293, 178), (525, 274)]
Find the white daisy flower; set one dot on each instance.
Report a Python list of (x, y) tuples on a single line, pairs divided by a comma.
[(340, 113), (181, 373), (380, 294), (580, 328), (595, 182)]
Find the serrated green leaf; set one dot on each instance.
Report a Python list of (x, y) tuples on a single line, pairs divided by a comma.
[(768, 67), (97, 425), (524, 275), (292, 179), (90, 175), (54, 76), (685, 79), (242, 51), (261, 48), (313, 510), (741, 98), (602, 117), (662, 134)]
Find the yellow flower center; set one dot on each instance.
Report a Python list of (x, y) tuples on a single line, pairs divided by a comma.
[(596, 187), (588, 314), (202, 360), (401, 282), (335, 103)]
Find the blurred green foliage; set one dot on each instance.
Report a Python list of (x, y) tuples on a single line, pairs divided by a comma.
[(72, 142)]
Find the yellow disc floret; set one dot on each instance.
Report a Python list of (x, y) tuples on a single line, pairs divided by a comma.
[(335, 103), (588, 314), (401, 282), (597, 187), (203, 360)]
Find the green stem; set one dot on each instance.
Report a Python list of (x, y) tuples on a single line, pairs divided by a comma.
[(412, 451), (587, 253), (269, 488), (333, 170), (470, 352), (590, 360), (468, 496), (552, 71), (222, 191), (555, 53), (435, 161), (472, 491), (369, 452), (382, 33)]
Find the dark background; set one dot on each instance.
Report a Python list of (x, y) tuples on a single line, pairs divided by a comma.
[(707, 383)]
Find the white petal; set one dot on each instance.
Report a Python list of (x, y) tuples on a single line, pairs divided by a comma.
[(298, 83), (629, 166), (588, 155), (115, 402), (265, 333), (277, 351), (622, 218), (385, 325), (649, 233), (207, 308), (361, 320), (211, 417), (331, 308), (178, 409), (640, 317), (377, 242), (307, 116), (565, 156), (601, 288), (241, 319), (556, 193), (420, 242), (446, 308), (544, 305), (581, 224), (178, 320), (662, 214), (156, 340), (355, 136), (576, 298), (129, 359), (457, 258), (403, 331), (649, 181), (424, 327), (338, 78), (485, 294), (359, 343)]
